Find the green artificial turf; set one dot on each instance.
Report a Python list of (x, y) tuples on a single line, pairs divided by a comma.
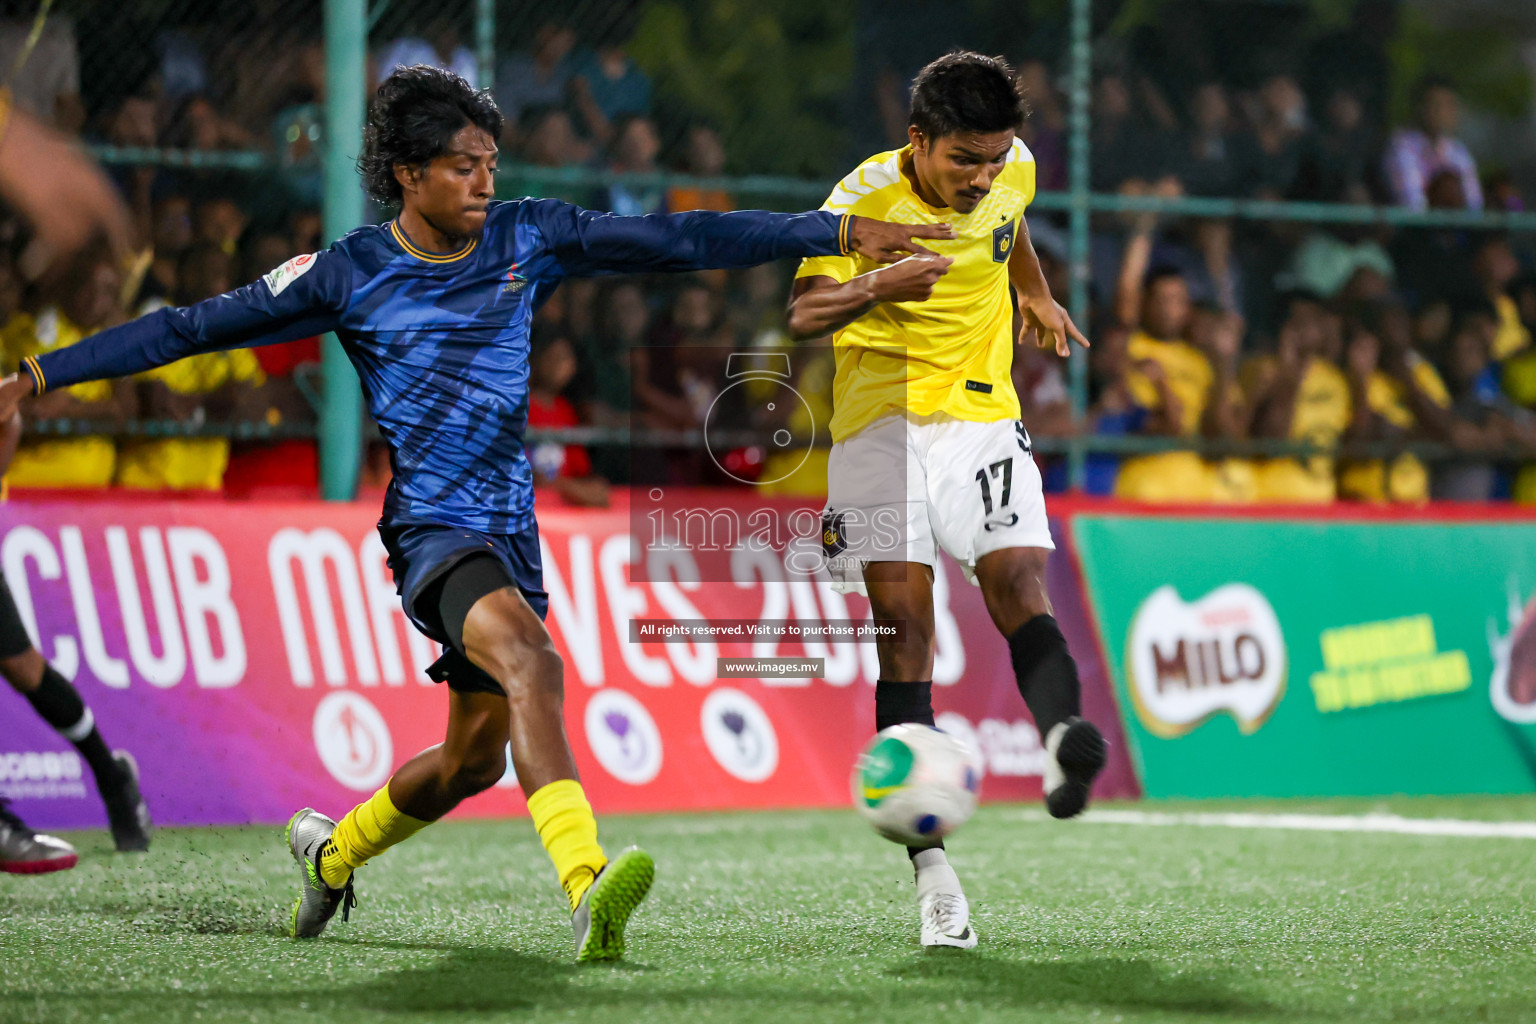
[(803, 916)]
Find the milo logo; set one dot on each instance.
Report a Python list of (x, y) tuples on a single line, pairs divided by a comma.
[(1187, 661)]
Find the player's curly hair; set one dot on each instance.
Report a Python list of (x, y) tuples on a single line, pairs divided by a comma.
[(413, 117), (966, 92)]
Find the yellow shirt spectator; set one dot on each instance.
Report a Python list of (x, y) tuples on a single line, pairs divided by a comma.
[(1406, 479), (1171, 477), (57, 462), (1321, 415), (193, 463)]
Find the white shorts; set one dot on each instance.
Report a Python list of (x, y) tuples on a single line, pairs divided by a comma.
[(906, 486)]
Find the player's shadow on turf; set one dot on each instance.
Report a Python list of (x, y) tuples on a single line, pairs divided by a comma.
[(1123, 984)]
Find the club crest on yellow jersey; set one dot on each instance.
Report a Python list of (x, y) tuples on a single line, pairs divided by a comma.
[(1002, 241)]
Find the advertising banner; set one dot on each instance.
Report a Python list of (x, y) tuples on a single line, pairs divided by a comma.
[(255, 659), (1265, 657)]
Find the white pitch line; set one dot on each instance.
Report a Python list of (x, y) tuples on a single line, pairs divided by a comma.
[(1390, 823)]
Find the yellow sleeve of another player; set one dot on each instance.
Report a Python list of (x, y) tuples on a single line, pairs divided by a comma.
[(864, 193), (841, 269)]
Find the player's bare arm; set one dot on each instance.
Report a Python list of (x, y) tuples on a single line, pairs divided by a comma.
[(1039, 310), (819, 306)]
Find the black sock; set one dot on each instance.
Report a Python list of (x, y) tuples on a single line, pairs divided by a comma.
[(60, 706), (897, 704), (1046, 673)]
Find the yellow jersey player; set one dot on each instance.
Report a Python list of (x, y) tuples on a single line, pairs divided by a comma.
[(928, 448)]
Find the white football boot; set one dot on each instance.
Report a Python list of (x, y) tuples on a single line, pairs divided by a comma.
[(941, 903)]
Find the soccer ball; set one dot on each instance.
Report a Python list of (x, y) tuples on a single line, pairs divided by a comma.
[(916, 784)]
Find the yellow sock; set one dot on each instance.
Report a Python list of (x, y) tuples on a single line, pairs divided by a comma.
[(569, 833), (369, 829)]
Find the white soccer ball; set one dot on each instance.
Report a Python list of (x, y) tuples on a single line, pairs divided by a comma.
[(916, 784)]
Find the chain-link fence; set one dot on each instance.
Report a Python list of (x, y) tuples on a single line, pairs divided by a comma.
[(1254, 166)]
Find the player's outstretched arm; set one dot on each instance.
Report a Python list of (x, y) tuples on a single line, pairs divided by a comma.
[(819, 306), (304, 297), (1040, 311), (588, 243)]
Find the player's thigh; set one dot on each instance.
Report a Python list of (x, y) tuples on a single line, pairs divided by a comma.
[(876, 502), (506, 638), (984, 490)]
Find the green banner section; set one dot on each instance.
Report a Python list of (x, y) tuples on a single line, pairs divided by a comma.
[(1261, 657)]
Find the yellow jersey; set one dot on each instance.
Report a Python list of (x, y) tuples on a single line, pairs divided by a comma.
[(1405, 479), (190, 463), (1187, 369), (1322, 413), (954, 352), (57, 462)]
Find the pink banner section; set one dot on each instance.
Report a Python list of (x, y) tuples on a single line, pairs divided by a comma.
[(255, 660)]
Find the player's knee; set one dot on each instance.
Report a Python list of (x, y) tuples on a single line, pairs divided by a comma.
[(531, 669), (23, 671)]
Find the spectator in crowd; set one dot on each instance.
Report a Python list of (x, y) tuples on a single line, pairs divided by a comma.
[(1395, 395), (87, 300), (1342, 159), (1129, 148), (197, 125), (1301, 394), (47, 85), (1496, 266), (1184, 392), (220, 222), (285, 469), (1328, 260), (607, 86), (1519, 371), (567, 468), (439, 45), (536, 79), (703, 157), (1272, 150), (1206, 163), (633, 151), (1490, 424), (603, 384), (1416, 155), (1433, 264), (551, 140), (170, 235), (1044, 130), (686, 359), (208, 388)]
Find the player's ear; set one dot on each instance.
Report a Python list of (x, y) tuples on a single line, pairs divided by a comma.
[(918, 139), (408, 176)]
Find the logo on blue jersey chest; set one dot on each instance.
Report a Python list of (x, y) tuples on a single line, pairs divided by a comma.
[(513, 281)]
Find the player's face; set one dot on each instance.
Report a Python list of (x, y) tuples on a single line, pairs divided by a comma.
[(454, 190), (959, 169)]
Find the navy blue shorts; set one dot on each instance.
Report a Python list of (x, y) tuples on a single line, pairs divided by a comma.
[(422, 554)]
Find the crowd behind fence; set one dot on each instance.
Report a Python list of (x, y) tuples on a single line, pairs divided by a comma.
[(1319, 353)]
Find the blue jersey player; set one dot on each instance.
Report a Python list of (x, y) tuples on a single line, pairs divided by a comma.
[(433, 309)]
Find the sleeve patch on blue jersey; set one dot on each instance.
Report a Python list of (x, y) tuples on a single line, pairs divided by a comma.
[(288, 273)]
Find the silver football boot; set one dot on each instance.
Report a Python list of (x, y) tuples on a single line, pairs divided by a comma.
[(25, 852), (307, 833)]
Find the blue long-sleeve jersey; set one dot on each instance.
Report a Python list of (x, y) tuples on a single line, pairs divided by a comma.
[(441, 341)]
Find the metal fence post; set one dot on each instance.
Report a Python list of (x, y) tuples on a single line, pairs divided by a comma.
[(1079, 188), (346, 44), (485, 43)]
